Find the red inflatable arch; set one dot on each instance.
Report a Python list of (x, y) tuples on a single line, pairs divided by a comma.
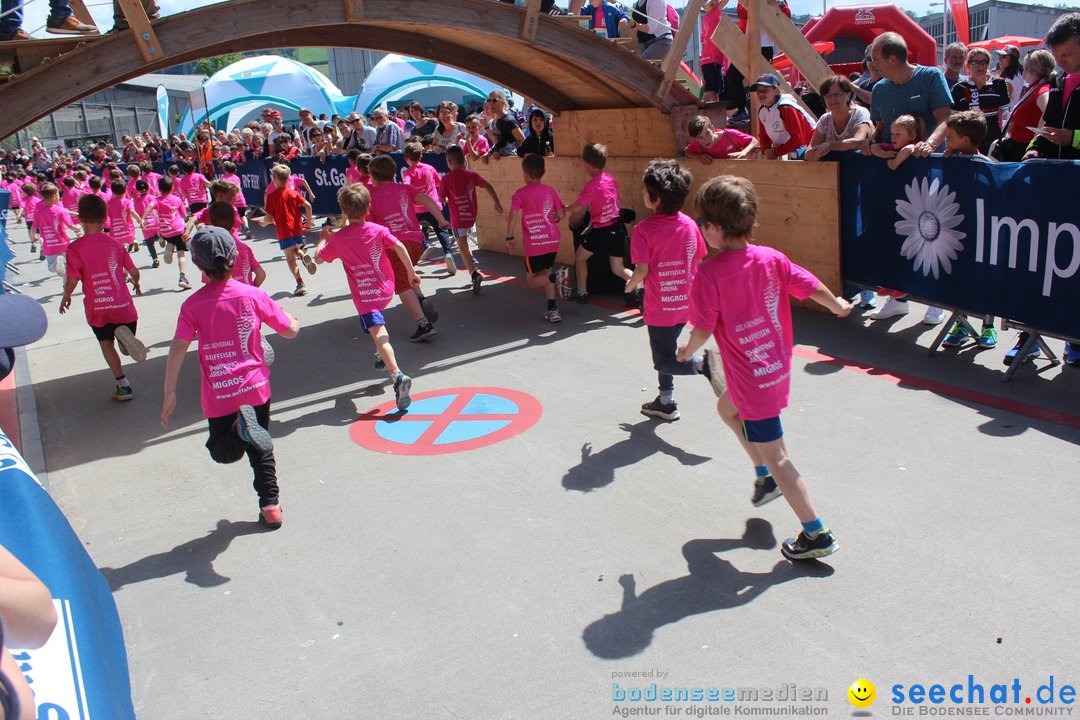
[(853, 28)]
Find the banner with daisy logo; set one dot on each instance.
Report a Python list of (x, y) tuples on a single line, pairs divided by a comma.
[(987, 238)]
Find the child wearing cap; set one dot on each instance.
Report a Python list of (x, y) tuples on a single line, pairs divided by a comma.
[(364, 249), (100, 263), (226, 318), (784, 126)]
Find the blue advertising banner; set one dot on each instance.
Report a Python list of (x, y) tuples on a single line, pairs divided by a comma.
[(82, 671), (987, 238), (5, 252)]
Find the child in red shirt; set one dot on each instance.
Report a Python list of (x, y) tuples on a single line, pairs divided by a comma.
[(291, 214), (784, 126)]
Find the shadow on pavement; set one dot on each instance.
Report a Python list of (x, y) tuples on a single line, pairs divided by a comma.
[(194, 558), (712, 584)]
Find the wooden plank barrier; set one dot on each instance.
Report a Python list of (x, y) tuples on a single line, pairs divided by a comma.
[(799, 206)]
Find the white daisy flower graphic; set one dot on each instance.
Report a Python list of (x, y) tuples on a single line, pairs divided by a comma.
[(929, 223)]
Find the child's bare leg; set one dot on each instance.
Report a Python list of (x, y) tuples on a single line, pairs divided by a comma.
[(290, 260), (112, 358), (466, 253), (180, 261), (381, 338), (581, 268), (412, 304), (619, 267), (730, 415), (788, 478)]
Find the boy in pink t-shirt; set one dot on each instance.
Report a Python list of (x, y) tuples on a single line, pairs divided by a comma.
[(169, 209), (537, 210), (708, 143), (666, 249), (458, 192), (392, 205), (121, 215), (740, 297), (238, 199), (30, 201), (606, 233), (143, 204), (71, 195), (246, 269), (364, 249), (192, 187), (51, 221), (100, 263), (226, 317), (426, 180)]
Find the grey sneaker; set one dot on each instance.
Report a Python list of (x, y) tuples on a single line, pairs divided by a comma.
[(130, 345), (714, 371), (402, 386), (765, 490), (251, 432)]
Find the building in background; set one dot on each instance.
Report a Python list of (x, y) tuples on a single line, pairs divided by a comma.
[(996, 18)]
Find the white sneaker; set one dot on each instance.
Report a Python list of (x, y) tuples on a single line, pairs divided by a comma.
[(933, 316), (429, 250), (553, 316), (451, 268), (130, 345), (892, 308)]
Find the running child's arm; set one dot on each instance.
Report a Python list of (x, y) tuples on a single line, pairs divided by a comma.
[(576, 213), (432, 208), (307, 188), (495, 199), (135, 216), (695, 342), (189, 226), (69, 287), (266, 219), (904, 153), (403, 255), (641, 270), (177, 351), (133, 273), (307, 213), (324, 237), (513, 221), (837, 305), (260, 277)]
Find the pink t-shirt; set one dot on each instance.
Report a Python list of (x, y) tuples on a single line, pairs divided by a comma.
[(170, 213), (144, 208), (393, 205), (364, 249), (204, 218), (479, 146), (538, 204), (121, 226), (99, 262), (352, 175), (193, 188), (710, 53), (70, 200), (425, 179), (1071, 81), (152, 180), (672, 246), (243, 270), (729, 141), (30, 204), (226, 317), (239, 201), (742, 297), (296, 182), (459, 186), (15, 188), (601, 196), (50, 221)]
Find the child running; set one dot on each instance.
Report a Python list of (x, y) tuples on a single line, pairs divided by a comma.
[(290, 214), (121, 214), (393, 205), (51, 220), (226, 317), (169, 209), (537, 210), (143, 206), (666, 249), (238, 199), (364, 249), (740, 297), (246, 269), (458, 191), (100, 263), (30, 202), (426, 180)]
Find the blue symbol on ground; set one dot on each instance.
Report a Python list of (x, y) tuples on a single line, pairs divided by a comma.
[(462, 430), (484, 404), (405, 433)]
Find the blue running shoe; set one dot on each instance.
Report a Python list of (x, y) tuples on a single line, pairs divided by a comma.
[(988, 338), (1010, 356), (1072, 354), (956, 336)]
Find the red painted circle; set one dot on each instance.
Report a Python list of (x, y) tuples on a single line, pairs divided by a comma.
[(366, 430)]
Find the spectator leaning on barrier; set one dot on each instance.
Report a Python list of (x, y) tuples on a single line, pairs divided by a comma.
[(844, 126), (906, 89), (1060, 139), (1028, 113)]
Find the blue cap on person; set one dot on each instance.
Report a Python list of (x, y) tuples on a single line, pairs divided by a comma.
[(212, 248), (391, 110), (766, 80)]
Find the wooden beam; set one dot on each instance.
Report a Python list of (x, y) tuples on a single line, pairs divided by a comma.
[(78, 9), (753, 52), (795, 45), (135, 14), (678, 47), (529, 21), (354, 10)]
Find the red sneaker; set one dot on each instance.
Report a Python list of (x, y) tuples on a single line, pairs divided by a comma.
[(271, 516)]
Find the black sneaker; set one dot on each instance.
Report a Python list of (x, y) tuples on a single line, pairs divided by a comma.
[(477, 278), (765, 489), (428, 306), (664, 411), (581, 298), (402, 386), (379, 364), (251, 432), (423, 332), (803, 548)]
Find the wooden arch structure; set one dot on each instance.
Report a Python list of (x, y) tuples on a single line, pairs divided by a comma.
[(555, 63)]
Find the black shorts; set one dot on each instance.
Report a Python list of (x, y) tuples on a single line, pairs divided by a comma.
[(177, 241), (539, 263), (195, 207), (713, 76), (609, 240), (107, 333)]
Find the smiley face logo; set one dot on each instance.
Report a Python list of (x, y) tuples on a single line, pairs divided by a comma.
[(862, 693)]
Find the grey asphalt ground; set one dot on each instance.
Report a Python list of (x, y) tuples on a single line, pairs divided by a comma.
[(521, 579)]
